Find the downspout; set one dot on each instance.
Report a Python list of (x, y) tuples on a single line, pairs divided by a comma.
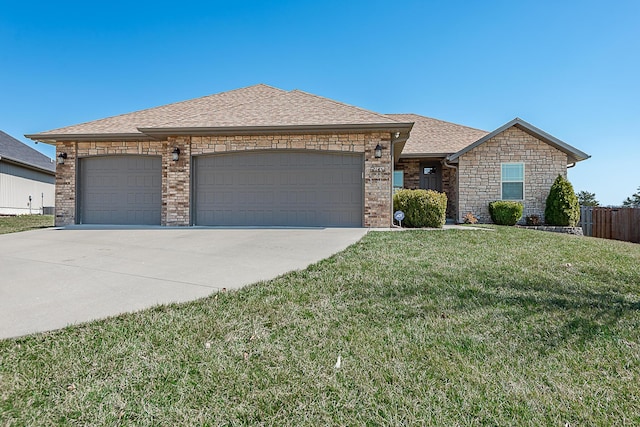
[(393, 169), (449, 165), (571, 165)]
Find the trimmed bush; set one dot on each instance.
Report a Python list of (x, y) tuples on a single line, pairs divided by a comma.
[(422, 208), (504, 212), (562, 208)]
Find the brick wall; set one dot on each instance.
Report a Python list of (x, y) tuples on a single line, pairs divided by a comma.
[(176, 176), (479, 172), (411, 168), (176, 182), (66, 185), (377, 182)]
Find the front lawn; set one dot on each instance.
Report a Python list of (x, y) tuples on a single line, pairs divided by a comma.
[(457, 327), (13, 224)]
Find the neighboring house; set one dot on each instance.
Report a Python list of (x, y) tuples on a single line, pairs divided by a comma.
[(27, 178), (262, 156)]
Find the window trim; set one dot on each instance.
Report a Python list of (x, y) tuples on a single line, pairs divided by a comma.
[(502, 181)]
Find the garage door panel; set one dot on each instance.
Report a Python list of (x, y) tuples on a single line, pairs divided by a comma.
[(278, 188), (120, 190)]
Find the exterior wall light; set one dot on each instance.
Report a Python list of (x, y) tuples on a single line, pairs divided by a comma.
[(61, 158), (378, 151), (175, 154)]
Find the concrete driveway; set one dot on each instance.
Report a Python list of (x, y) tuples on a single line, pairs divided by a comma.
[(55, 277)]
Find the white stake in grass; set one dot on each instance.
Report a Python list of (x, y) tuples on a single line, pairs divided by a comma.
[(338, 363)]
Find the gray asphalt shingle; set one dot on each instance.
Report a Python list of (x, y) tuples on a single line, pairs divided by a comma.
[(433, 136), (265, 106), (17, 151)]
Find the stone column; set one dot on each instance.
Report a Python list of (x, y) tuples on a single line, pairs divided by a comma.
[(377, 181), (176, 180), (66, 184)]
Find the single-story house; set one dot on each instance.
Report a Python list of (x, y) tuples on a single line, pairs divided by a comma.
[(27, 178), (262, 156)]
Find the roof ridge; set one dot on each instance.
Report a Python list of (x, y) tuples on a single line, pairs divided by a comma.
[(345, 104)]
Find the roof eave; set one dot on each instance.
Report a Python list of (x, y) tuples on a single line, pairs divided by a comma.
[(53, 138), (28, 165), (259, 130), (422, 155)]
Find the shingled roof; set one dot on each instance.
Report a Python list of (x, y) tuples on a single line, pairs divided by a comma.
[(437, 138), (253, 107), (294, 108), (18, 152)]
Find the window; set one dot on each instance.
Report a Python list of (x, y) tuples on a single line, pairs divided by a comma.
[(398, 179), (512, 181), (429, 171)]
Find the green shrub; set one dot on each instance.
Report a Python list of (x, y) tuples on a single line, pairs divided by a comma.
[(422, 208), (562, 207), (504, 212)]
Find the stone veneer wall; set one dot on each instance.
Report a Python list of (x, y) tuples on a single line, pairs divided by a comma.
[(479, 172), (411, 168), (176, 176), (66, 185)]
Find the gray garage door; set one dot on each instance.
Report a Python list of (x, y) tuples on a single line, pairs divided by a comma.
[(120, 190), (278, 188)]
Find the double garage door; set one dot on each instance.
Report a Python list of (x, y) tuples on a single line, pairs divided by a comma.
[(268, 188)]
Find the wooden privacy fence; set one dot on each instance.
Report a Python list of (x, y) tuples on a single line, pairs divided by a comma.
[(611, 223)]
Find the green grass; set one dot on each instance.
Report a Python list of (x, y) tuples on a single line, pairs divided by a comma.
[(13, 224), (457, 327)]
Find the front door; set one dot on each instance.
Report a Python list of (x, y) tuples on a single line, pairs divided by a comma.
[(431, 176)]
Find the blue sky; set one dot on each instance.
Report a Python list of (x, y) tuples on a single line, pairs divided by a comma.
[(571, 68)]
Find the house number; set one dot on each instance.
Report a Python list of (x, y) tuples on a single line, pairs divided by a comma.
[(377, 169)]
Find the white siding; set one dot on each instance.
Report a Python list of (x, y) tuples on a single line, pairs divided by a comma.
[(18, 183)]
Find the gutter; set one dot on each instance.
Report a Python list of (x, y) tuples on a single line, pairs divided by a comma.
[(159, 133), (261, 130), (422, 155), (29, 166), (51, 139), (446, 164)]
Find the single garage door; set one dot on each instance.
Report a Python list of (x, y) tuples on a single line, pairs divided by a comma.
[(120, 190), (279, 188)]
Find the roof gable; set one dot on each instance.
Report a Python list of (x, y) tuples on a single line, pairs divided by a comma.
[(573, 154), (18, 152), (437, 138)]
